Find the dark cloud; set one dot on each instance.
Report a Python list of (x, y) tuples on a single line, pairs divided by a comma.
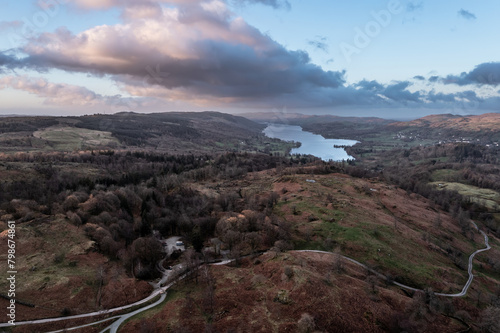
[(206, 54), (469, 95), (396, 92), (465, 96), (466, 14), (370, 86), (9, 62), (319, 43), (483, 74), (440, 97)]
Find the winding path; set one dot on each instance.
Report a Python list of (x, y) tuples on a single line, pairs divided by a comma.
[(113, 328), (460, 294), (162, 292)]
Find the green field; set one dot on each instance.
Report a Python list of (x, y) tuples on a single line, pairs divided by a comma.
[(483, 196), (73, 138)]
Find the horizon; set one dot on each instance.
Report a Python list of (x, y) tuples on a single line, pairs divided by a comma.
[(394, 59), (245, 115)]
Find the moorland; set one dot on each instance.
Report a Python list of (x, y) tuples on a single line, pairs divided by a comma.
[(94, 199)]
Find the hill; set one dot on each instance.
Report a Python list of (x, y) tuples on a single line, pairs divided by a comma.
[(489, 122), (92, 226), (173, 132), (403, 236), (379, 225)]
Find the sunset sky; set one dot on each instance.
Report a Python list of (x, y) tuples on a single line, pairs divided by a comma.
[(396, 58)]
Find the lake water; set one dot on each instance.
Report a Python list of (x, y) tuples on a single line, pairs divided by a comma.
[(312, 144)]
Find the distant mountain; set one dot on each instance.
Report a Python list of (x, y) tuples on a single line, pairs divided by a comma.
[(484, 122), (302, 119)]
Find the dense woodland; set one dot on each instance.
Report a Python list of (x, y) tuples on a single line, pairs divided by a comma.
[(135, 193)]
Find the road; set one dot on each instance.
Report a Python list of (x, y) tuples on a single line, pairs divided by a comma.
[(91, 314), (113, 328), (460, 294), (159, 290)]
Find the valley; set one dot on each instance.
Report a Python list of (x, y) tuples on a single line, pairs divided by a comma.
[(94, 197)]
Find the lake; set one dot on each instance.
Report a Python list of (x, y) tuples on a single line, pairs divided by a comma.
[(312, 144)]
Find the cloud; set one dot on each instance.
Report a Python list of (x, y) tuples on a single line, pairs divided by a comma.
[(434, 78), (201, 53), (107, 4), (396, 92), (61, 94), (6, 25), (370, 86), (466, 14), (440, 97), (484, 74), (205, 52), (8, 61), (276, 4), (319, 43), (469, 96)]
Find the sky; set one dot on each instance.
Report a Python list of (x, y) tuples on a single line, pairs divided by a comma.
[(398, 59)]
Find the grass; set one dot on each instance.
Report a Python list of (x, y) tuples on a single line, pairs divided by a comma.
[(73, 138), (49, 265), (444, 175), (486, 197), (360, 237), (150, 312)]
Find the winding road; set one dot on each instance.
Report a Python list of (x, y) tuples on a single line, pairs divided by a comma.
[(460, 294), (159, 290)]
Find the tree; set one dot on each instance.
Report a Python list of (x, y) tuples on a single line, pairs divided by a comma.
[(490, 322), (306, 323), (437, 221), (197, 238), (146, 252), (254, 240), (191, 262), (338, 261), (100, 275), (208, 300)]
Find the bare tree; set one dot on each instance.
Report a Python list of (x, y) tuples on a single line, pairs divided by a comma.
[(306, 323), (489, 320), (254, 240), (338, 261), (191, 262), (208, 300), (100, 275)]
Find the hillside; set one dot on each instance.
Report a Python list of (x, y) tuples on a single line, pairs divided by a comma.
[(172, 132), (485, 122), (405, 237), (302, 119), (93, 227), (60, 271), (379, 225)]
